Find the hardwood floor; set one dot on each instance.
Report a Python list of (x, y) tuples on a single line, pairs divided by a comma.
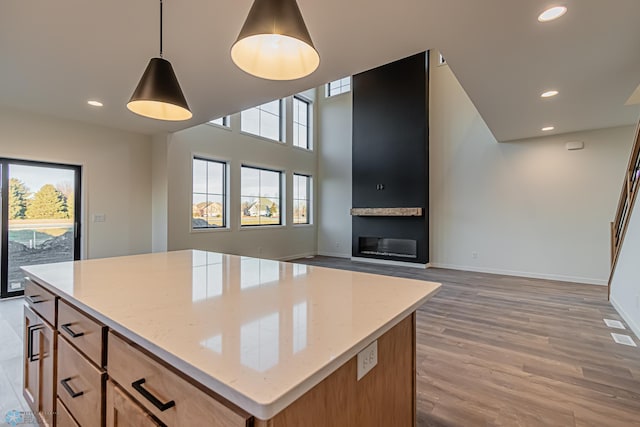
[(492, 351), (509, 351)]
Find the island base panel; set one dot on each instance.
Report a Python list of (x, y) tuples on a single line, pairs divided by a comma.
[(385, 396)]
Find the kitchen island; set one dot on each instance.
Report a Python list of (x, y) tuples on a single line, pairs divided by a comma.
[(202, 338)]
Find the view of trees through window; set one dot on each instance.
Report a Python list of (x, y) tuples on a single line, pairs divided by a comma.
[(260, 197), (41, 217), (209, 194), (301, 198)]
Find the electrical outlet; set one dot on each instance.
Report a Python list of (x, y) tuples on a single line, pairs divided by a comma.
[(367, 359), (474, 255), (337, 245), (99, 217)]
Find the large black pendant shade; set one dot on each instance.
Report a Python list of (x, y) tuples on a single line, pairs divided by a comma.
[(158, 94), (274, 42)]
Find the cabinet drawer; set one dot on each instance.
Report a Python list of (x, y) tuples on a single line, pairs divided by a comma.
[(41, 301), (83, 332), (173, 400), (63, 417), (80, 385)]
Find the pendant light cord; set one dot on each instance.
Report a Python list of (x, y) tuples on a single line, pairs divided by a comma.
[(160, 28)]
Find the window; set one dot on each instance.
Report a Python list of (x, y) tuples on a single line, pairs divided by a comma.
[(263, 120), (301, 123), (339, 86), (209, 194), (260, 197), (301, 198), (222, 121)]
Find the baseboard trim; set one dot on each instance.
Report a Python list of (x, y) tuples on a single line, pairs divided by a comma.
[(334, 254), (389, 262), (303, 255), (635, 328), (557, 277)]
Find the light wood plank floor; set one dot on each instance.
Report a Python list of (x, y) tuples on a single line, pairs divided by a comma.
[(492, 351), (508, 351)]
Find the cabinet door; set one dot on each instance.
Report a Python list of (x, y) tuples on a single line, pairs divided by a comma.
[(122, 411), (47, 381), (30, 379), (39, 363)]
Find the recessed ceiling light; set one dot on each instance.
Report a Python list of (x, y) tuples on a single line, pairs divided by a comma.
[(549, 94), (94, 103), (552, 13), (548, 128)]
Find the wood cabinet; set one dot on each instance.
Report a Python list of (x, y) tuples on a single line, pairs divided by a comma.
[(123, 411), (80, 385), (171, 399), (39, 366)]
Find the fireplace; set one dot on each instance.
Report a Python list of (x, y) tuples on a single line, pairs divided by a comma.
[(387, 247)]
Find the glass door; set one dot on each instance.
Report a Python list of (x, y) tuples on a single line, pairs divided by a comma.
[(40, 218)]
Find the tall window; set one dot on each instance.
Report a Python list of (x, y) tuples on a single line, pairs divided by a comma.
[(222, 121), (301, 199), (301, 123), (263, 120), (260, 197), (209, 194), (338, 86)]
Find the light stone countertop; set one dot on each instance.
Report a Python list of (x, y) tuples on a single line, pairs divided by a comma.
[(258, 332)]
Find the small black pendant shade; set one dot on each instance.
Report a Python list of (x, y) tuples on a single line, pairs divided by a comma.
[(274, 42), (158, 95)]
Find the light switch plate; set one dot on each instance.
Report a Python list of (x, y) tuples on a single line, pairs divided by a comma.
[(367, 359), (99, 217)]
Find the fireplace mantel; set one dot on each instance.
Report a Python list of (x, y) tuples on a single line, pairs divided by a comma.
[(386, 211)]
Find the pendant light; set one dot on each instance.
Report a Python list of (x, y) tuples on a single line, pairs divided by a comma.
[(274, 42), (158, 95)]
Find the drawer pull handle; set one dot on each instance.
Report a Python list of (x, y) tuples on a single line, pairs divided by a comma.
[(67, 329), (67, 387), (137, 385), (31, 299), (30, 330)]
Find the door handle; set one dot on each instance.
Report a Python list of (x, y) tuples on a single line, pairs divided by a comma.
[(67, 328), (67, 387), (137, 385), (31, 299), (30, 331)]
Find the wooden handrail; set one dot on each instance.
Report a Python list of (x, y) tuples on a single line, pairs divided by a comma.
[(625, 204)]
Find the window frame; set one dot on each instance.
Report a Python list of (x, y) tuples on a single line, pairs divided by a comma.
[(281, 205), (308, 103), (342, 86), (225, 196), (281, 122), (309, 198), (226, 122)]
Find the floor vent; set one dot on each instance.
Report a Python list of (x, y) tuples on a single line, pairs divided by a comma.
[(614, 324), (623, 339)]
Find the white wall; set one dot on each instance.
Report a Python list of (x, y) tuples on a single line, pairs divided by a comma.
[(209, 141), (159, 193), (625, 286), (527, 208), (116, 175), (334, 171)]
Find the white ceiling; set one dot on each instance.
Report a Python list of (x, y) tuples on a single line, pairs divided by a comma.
[(54, 56)]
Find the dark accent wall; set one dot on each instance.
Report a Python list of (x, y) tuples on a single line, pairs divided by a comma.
[(390, 151)]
